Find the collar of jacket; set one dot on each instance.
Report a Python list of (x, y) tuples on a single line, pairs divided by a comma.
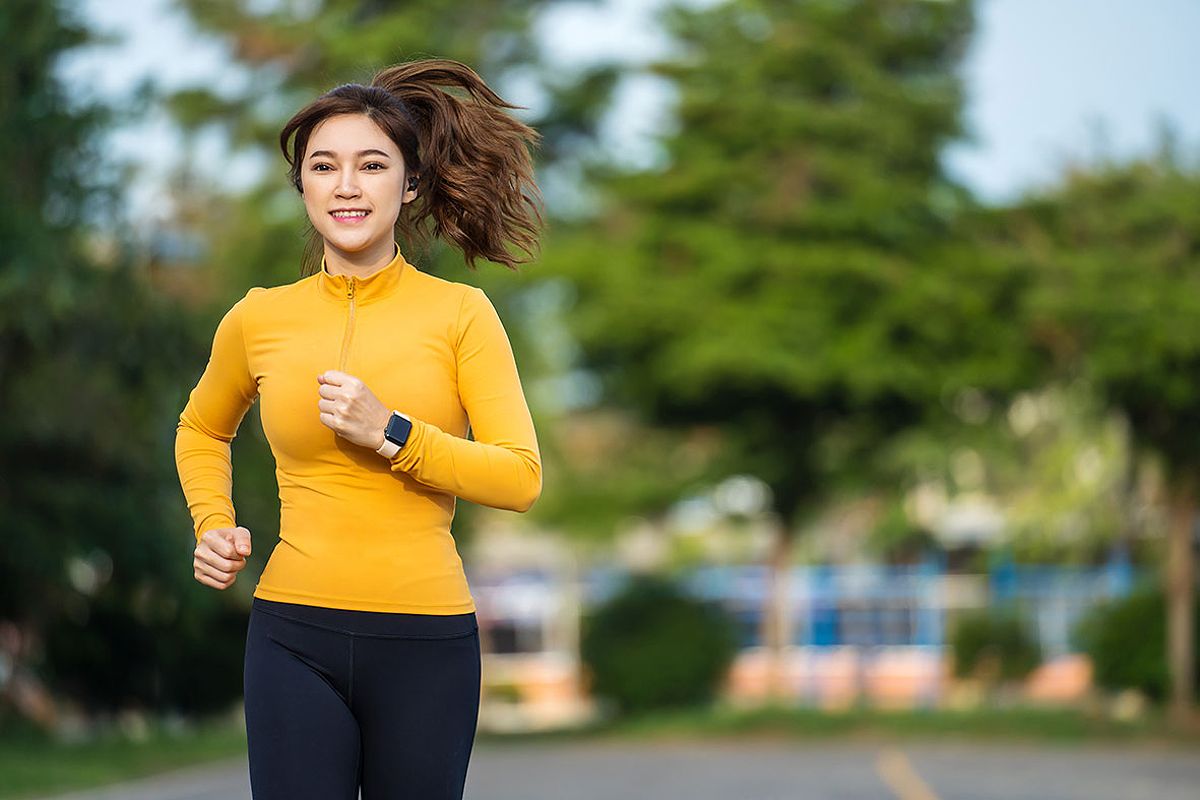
[(379, 283)]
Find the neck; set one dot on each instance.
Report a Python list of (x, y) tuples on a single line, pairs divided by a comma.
[(361, 263)]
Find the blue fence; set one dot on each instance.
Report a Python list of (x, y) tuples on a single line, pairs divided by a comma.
[(872, 605)]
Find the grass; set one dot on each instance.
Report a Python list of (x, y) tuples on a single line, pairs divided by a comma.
[(1017, 724), (32, 765)]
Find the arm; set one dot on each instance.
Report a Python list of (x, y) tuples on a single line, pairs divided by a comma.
[(502, 467), (209, 422)]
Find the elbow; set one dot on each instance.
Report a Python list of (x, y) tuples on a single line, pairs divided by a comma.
[(531, 489), (529, 498)]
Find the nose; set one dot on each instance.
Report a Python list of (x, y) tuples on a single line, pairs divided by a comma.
[(348, 185)]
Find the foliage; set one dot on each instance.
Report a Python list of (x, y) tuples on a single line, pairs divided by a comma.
[(1119, 289), (651, 646), (1127, 642), (1116, 302), (1054, 461), (993, 644), (789, 273), (898, 539), (95, 561)]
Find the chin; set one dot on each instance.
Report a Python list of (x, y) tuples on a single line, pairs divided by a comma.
[(352, 241)]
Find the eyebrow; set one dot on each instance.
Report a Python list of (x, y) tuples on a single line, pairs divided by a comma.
[(360, 153)]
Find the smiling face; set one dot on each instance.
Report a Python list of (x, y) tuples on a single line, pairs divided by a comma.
[(351, 165)]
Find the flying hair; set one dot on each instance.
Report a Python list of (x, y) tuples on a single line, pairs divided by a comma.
[(475, 182)]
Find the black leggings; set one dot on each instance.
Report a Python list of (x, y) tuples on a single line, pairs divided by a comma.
[(338, 699)]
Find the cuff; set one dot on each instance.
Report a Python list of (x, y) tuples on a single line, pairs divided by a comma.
[(211, 522), (410, 455)]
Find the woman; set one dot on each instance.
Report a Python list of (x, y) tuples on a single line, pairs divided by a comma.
[(362, 664)]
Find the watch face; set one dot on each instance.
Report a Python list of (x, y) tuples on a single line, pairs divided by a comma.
[(397, 429)]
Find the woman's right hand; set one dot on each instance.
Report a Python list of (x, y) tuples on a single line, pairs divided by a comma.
[(220, 555)]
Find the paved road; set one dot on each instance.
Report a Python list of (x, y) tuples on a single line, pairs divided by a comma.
[(770, 770)]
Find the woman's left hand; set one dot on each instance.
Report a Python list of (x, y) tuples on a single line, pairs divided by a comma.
[(351, 409)]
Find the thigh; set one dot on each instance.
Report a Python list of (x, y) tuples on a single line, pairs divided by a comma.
[(417, 702), (302, 740)]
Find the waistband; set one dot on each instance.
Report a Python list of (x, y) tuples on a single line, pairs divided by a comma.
[(372, 623)]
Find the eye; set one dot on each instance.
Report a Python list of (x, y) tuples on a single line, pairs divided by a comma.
[(377, 164), (317, 167)]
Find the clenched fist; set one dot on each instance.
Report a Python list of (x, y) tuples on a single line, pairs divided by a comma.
[(351, 409), (220, 555)]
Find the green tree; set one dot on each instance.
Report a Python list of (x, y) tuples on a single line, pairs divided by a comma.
[(792, 273), (89, 366), (1116, 303)]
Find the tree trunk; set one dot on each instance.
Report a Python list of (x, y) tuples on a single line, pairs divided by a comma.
[(1180, 588), (775, 630)]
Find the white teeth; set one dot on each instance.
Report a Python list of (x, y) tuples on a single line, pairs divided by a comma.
[(349, 213)]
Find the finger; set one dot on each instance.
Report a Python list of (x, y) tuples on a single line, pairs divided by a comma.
[(207, 581), (206, 574), (327, 405), (329, 391), (336, 377), (241, 541), (328, 420), (223, 563), (203, 570), (217, 540), (216, 584), (219, 563)]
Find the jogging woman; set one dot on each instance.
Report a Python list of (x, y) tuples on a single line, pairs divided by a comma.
[(362, 664)]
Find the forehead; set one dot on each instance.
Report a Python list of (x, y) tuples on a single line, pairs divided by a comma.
[(345, 134)]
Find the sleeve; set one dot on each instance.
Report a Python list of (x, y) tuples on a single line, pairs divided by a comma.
[(502, 467), (209, 422)]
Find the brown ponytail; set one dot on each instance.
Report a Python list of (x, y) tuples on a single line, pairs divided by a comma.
[(476, 180)]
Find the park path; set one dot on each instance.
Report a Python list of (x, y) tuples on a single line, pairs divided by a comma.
[(749, 769)]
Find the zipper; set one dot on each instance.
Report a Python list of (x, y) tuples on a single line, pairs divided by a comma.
[(349, 326)]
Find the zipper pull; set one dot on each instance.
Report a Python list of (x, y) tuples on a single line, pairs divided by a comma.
[(350, 288)]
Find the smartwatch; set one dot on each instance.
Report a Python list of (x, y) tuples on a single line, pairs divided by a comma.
[(395, 434)]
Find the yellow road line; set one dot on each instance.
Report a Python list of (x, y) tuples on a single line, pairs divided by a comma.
[(897, 772)]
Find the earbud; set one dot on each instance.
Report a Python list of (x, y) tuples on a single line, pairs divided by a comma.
[(412, 184)]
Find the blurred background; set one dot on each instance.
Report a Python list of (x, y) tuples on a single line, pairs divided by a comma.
[(863, 349)]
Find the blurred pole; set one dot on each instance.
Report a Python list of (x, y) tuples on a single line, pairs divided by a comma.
[(1180, 582)]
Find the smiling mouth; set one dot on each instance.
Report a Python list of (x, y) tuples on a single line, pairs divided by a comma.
[(349, 215)]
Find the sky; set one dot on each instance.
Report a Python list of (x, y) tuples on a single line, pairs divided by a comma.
[(1049, 82)]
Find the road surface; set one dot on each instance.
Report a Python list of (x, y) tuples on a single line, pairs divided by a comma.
[(769, 770)]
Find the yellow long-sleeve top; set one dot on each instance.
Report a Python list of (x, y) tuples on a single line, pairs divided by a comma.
[(358, 530)]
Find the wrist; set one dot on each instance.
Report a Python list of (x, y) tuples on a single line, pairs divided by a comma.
[(379, 439), (395, 434)]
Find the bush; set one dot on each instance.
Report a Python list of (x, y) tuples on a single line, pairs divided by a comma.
[(184, 656), (1127, 642), (993, 645), (653, 647)]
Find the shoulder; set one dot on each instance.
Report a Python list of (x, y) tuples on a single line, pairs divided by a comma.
[(262, 298), (257, 307), (454, 297), (434, 284), (268, 293), (245, 305)]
